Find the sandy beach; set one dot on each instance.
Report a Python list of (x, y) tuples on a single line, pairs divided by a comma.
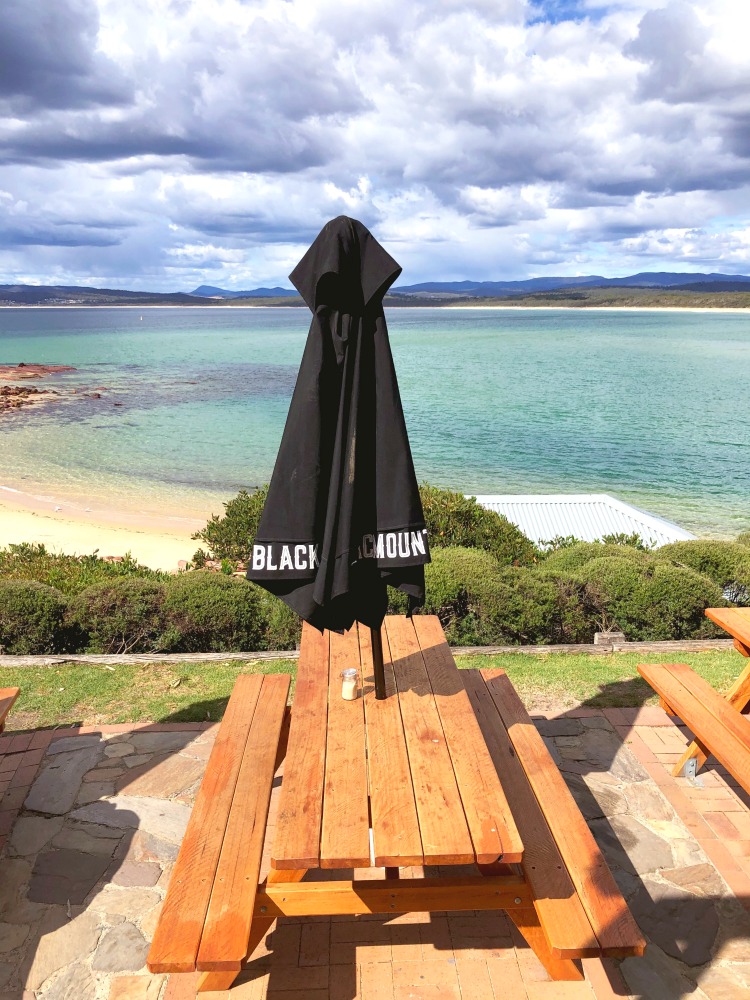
[(155, 540)]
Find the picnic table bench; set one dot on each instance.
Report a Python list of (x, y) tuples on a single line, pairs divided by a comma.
[(447, 771), (7, 699), (717, 722)]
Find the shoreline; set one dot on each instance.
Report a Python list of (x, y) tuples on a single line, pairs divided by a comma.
[(159, 541)]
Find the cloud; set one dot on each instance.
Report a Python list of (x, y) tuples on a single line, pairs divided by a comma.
[(48, 58), (163, 143)]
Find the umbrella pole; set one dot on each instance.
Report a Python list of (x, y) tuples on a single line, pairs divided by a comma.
[(377, 662)]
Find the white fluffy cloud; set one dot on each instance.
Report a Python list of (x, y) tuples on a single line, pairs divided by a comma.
[(162, 143)]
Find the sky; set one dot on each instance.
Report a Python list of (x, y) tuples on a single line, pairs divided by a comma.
[(162, 144)]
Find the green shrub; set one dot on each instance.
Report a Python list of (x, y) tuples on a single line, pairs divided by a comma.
[(576, 616), (231, 535), (455, 520), (726, 563), (68, 574), (633, 539), (570, 558), (479, 602), (210, 613), (32, 618), (450, 577), (120, 616), (283, 627), (743, 539), (558, 542), (651, 600), (517, 606), (398, 601)]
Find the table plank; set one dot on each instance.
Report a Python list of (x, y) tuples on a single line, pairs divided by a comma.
[(561, 914), (227, 926), (297, 841), (735, 621), (345, 838), (605, 908), (178, 933), (395, 824), (442, 823), (488, 815)]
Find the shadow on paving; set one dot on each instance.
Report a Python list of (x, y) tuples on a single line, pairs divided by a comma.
[(94, 845), (94, 842), (698, 931)]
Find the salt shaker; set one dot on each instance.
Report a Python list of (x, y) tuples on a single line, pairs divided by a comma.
[(349, 684)]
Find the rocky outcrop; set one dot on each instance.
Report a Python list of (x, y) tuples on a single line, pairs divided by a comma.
[(12, 373), (13, 397)]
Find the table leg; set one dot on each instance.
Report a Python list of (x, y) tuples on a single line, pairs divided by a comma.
[(261, 925), (738, 697), (211, 982), (527, 922), (497, 868), (739, 693)]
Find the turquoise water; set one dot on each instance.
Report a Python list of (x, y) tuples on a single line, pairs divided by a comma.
[(650, 406)]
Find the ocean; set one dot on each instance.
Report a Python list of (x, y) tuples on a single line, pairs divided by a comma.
[(651, 406)]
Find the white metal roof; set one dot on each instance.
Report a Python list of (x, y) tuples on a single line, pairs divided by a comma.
[(587, 516)]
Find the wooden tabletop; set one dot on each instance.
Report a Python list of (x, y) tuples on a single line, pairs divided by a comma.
[(735, 621), (403, 781)]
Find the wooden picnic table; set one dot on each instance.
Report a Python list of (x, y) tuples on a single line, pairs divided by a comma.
[(735, 621), (448, 771)]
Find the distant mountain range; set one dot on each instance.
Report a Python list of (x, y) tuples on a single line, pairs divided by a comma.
[(82, 295), (680, 281), (210, 292), (427, 292)]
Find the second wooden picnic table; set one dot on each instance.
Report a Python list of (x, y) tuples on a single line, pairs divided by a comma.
[(735, 621)]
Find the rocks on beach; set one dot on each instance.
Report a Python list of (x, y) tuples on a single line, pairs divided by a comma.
[(14, 397), (11, 373)]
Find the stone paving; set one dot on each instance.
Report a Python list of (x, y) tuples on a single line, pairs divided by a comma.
[(91, 822)]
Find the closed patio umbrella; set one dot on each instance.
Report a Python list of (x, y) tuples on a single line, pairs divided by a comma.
[(343, 518)]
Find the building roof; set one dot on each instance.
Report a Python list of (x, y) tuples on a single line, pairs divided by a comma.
[(587, 516)]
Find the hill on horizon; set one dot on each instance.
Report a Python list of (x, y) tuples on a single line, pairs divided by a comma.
[(678, 280), (424, 293), (210, 291)]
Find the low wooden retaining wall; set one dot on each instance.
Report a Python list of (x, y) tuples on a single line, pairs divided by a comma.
[(685, 646)]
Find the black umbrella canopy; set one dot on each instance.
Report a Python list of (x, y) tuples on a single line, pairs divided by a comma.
[(343, 518)]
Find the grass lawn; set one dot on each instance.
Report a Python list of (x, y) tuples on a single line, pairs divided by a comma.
[(562, 680), (89, 694)]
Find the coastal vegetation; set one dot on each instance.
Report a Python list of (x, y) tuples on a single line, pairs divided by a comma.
[(487, 582)]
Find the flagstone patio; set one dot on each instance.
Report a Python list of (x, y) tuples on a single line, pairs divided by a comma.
[(91, 821)]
